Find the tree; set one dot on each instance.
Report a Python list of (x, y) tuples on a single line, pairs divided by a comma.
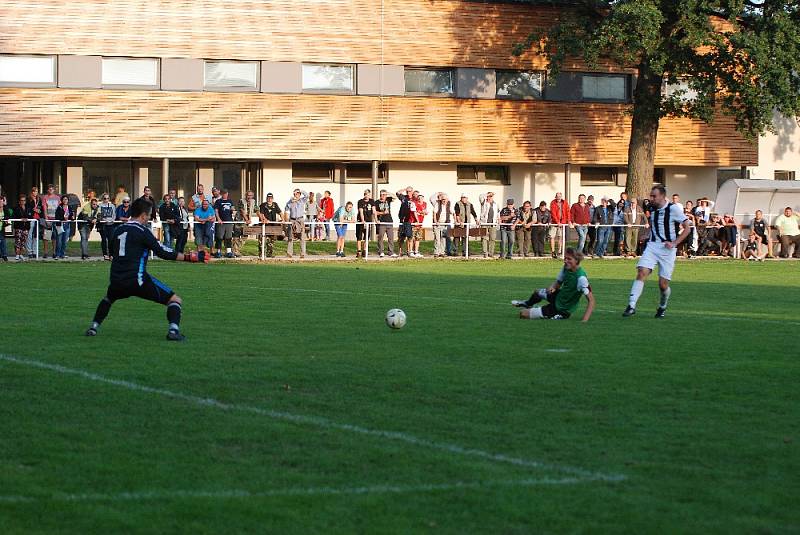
[(736, 57)]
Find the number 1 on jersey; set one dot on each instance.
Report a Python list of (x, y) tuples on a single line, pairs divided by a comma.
[(122, 238)]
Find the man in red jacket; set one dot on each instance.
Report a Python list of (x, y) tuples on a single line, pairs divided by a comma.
[(326, 213), (579, 213), (559, 212)]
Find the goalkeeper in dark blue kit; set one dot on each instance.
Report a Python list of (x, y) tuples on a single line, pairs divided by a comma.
[(131, 245)]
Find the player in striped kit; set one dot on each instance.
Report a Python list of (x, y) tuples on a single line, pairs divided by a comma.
[(669, 226)]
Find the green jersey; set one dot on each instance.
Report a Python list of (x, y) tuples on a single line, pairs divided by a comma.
[(574, 284)]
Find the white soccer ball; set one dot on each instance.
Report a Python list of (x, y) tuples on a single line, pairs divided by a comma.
[(396, 318)]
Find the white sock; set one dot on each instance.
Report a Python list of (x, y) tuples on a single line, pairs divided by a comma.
[(228, 250), (665, 297), (636, 292)]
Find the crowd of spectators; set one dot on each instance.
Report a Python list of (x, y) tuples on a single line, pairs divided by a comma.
[(217, 223)]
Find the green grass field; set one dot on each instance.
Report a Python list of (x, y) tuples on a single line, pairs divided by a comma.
[(292, 408)]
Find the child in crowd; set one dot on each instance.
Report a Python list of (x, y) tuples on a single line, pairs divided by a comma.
[(345, 214)]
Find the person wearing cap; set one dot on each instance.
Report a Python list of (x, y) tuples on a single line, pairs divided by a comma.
[(508, 222), (383, 214), (294, 213), (524, 229), (542, 220), (269, 212), (465, 214), (224, 210), (489, 220), (123, 210), (105, 225)]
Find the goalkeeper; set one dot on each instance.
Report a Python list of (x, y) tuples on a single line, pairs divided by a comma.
[(131, 245), (563, 296)]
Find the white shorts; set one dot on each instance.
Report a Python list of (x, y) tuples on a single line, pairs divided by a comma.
[(656, 254)]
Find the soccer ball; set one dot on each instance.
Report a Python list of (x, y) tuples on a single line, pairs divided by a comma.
[(396, 318)]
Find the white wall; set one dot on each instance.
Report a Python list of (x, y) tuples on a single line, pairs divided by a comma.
[(692, 183), (779, 151)]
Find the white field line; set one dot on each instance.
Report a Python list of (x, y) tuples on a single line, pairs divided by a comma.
[(321, 422), (159, 495)]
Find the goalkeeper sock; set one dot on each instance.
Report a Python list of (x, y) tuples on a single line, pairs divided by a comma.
[(174, 316), (103, 308), (665, 297), (636, 292)]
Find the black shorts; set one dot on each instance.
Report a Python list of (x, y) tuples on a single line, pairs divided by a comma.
[(549, 310), (151, 289), (406, 231), (361, 231), (223, 231)]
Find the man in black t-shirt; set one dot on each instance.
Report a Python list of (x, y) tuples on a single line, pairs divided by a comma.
[(383, 214), (366, 208), (269, 211), (224, 232), (131, 246), (760, 227)]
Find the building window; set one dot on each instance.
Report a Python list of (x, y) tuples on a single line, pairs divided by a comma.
[(679, 89), (784, 175), (128, 72), (36, 71), (361, 173), (314, 172), (183, 178), (333, 78), (114, 177), (229, 176), (429, 81), (483, 174), (603, 87), (599, 176), (231, 75), (519, 84), (660, 176)]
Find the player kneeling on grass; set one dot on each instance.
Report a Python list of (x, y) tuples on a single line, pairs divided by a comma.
[(131, 246), (564, 295)]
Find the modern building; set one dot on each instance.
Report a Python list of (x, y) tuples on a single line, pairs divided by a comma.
[(324, 95)]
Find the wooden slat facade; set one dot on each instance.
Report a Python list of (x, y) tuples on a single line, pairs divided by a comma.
[(91, 123), (106, 123)]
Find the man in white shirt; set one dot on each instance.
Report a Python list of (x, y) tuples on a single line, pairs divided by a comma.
[(489, 220), (788, 232)]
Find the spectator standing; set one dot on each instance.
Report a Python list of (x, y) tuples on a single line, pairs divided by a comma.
[(406, 217), (21, 211), (465, 216), (224, 210), (343, 215), (619, 221), (326, 213), (312, 218), (591, 232), (383, 213), (107, 215), (788, 232), (50, 202), (295, 214), (489, 220), (443, 217), (167, 213), (123, 212), (419, 218), (147, 194), (215, 195), (524, 229), (366, 209), (88, 216), (623, 197), (64, 216), (760, 227), (248, 212), (579, 215), (603, 219), (559, 215), (5, 215), (269, 212), (181, 225), (120, 195), (508, 223), (633, 216), (198, 197), (37, 211), (541, 225), (204, 219)]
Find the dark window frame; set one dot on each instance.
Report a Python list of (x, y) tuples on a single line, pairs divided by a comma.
[(611, 181), (383, 173), (333, 172), (463, 172)]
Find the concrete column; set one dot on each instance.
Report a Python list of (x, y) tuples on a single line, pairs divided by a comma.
[(205, 175), (75, 177), (140, 179), (375, 171), (165, 176), (567, 182)]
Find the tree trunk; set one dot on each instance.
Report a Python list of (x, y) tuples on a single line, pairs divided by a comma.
[(644, 133)]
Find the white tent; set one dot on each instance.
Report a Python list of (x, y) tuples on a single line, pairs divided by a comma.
[(743, 197)]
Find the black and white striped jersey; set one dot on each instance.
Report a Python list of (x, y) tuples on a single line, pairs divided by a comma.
[(665, 222)]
